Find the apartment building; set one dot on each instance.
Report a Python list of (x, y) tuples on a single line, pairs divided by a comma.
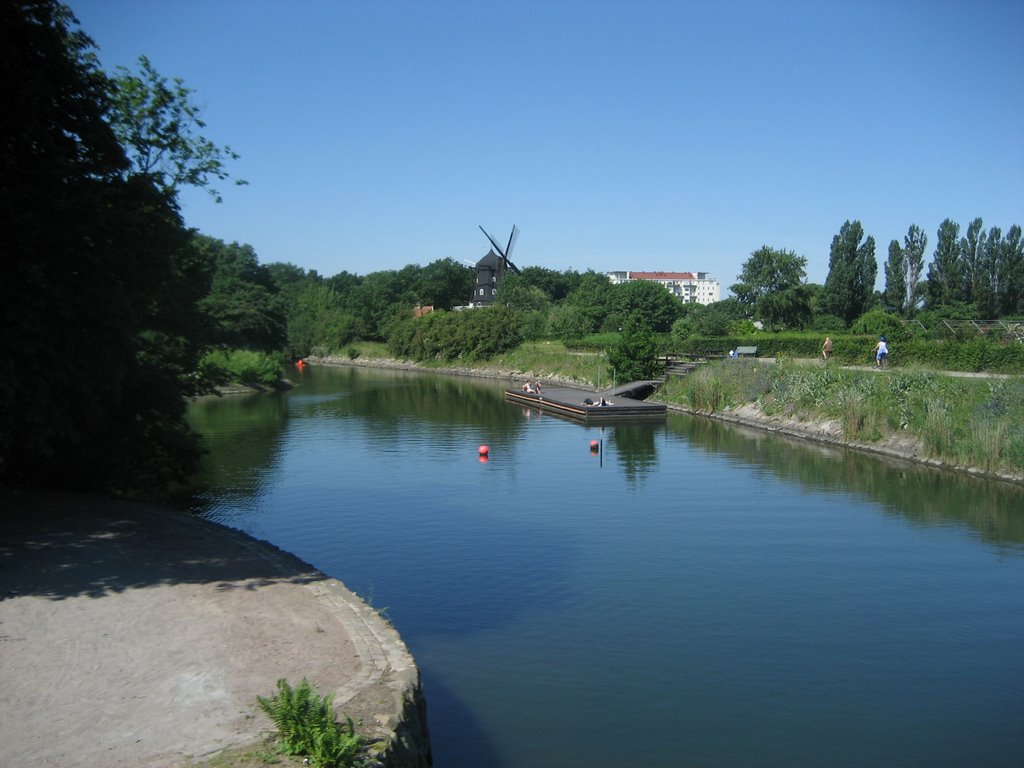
[(689, 287)]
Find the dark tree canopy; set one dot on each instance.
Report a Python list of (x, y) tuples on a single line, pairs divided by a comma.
[(97, 327)]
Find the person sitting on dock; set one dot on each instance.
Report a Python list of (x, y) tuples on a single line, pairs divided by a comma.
[(528, 386), (537, 388)]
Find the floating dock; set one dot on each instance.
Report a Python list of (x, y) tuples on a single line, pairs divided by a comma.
[(572, 403)]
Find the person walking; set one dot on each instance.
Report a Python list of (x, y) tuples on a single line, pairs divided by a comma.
[(826, 348), (881, 352)]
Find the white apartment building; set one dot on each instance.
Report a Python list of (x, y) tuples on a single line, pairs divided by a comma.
[(689, 287)]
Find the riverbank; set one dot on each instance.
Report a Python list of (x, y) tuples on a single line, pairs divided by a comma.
[(899, 445)]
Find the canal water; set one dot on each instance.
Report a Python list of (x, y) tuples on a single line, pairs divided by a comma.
[(688, 594)]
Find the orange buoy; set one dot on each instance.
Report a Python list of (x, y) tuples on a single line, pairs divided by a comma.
[(483, 450)]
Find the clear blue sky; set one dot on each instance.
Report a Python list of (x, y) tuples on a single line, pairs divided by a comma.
[(641, 135)]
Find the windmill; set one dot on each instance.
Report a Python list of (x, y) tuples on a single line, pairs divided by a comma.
[(491, 268)]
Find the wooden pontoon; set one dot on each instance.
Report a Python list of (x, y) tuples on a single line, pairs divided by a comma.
[(571, 403)]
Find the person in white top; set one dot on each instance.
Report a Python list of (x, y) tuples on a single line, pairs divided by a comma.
[(881, 352)]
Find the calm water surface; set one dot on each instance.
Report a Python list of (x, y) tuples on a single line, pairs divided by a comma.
[(691, 595)]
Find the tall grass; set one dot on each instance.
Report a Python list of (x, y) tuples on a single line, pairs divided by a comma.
[(975, 422)]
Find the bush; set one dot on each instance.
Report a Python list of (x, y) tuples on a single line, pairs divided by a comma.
[(878, 322), (307, 726), (476, 334), (242, 366)]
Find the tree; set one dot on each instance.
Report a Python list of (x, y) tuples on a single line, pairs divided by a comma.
[(635, 356), (772, 288), (903, 285), (945, 274), (445, 284), (650, 300), (852, 269), (98, 287), (718, 319), (1010, 271), (977, 277), (592, 297), (894, 297), (158, 125), (243, 302)]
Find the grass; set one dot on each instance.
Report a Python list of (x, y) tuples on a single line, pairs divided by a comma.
[(969, 421)]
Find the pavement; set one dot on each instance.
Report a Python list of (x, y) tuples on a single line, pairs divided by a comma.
[(132, 635)]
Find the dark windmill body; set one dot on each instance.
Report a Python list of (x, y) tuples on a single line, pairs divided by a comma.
[(491, 268)]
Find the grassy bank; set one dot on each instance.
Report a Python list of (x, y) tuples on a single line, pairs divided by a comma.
[(973, 422)]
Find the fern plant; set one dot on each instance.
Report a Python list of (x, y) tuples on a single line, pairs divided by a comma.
[(307, 726)]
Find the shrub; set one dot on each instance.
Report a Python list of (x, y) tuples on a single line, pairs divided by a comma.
[(307, 726), (242, 366), (878, 322)]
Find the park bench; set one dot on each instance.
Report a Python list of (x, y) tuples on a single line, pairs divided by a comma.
[(746, 351)]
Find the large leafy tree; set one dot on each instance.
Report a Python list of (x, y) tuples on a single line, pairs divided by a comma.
[(852, 269), (97, 288), (772, 287), (649, 300), (946, 272)]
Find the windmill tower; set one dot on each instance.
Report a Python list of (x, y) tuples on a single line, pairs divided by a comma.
[(491, 268)]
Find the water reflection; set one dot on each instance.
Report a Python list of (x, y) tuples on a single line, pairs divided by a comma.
[(908, 490), (635, 448)]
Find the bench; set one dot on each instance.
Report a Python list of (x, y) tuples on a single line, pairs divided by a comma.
[(746, 351)]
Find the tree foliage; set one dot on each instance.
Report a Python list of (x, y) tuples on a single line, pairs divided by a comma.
[(634, 357), (651, 301), (945, 274), (157, 123), (476, 334), (904, 287), (852, 269), (243, 302), (98, 288), (772, 286)]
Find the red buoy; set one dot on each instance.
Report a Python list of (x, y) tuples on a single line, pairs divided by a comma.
[(483, 450), (594, 445)]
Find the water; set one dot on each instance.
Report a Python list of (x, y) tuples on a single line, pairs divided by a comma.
[(689, 595)]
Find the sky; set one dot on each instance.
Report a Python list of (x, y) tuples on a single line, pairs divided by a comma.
[(645, 136)]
